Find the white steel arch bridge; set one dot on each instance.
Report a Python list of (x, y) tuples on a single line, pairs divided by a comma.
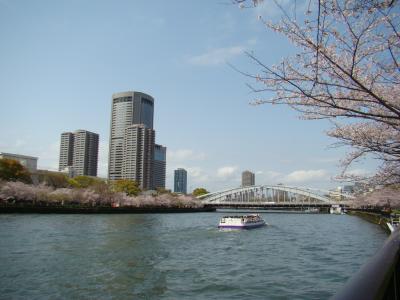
[(271, 195)]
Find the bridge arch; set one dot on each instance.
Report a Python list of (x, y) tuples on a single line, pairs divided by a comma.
[(267, 195)]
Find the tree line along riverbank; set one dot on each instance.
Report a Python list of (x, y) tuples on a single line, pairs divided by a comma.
[(98, 198), (54, 192), (7, 209)]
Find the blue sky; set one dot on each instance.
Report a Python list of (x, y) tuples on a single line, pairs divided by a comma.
[(60, 62)]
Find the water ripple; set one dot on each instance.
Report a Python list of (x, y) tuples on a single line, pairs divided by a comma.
[(180, 256)]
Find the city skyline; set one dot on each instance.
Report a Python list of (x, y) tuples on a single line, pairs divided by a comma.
[(202, 114)]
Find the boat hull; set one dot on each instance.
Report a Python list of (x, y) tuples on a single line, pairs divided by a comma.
[(244, 226)]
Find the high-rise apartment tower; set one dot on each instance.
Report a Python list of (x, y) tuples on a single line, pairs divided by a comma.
[(66, 150), (248, 178), (180, 181), (138, 152), (79, 151), (159, 166), (127, 108)]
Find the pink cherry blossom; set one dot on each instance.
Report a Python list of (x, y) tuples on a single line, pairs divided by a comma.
[(347, 70)]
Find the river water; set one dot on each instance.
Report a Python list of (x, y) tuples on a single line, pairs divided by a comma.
[(180, 256)]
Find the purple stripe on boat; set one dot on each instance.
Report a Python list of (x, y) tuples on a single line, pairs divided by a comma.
[(241, 226)]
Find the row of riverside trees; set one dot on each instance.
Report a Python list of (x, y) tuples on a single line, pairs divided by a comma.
[(54, 188), (18, 186)]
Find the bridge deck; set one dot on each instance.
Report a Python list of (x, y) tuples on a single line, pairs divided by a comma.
[(270, 205)]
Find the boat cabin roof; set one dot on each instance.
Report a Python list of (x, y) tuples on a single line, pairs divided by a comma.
[(244, 216)]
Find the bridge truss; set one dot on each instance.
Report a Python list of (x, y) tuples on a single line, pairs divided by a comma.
[(270, 195)]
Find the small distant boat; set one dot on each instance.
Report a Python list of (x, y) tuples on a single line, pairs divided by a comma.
[(336, 209), (241, 222)]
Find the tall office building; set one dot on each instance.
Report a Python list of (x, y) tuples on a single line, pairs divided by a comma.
[(138, 153), (159, 166), (248, 178), (79, 152), (127, 108), (180, 181)]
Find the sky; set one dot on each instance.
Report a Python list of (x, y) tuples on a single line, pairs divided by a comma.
[(60, 62)]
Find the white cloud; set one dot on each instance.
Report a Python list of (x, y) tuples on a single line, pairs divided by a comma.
[(198, 174), (18, 146), (268, 177), (226, 172), (182, 155), (48, 156), (306, 175), (216, 56), (211, 179)]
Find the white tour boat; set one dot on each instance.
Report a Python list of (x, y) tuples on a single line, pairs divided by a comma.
[(241, 222), (336, 209)]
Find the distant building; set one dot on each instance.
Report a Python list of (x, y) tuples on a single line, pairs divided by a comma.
[(180, 181), (66, 151), (127, 108), (336, 194), (248, 178), (79, 153), (159, 166), (137, 155), (28, 162), (69, 171), (360, 187), (348, 189)]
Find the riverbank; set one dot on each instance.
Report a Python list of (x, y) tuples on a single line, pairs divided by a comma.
[(10, 209), (372, 217)]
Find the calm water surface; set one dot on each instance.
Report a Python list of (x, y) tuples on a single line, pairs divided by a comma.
[(180, 256)]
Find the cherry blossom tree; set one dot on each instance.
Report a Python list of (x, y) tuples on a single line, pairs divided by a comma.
[(346, 70), (11, 192), (388, 196)]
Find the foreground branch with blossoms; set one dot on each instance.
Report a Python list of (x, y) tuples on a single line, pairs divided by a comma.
[(346, 69)]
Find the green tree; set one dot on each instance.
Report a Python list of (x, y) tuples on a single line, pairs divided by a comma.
[(130, 187), (84, 181), (53, 179), (199, 191), (161, 190), (12, 170)]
